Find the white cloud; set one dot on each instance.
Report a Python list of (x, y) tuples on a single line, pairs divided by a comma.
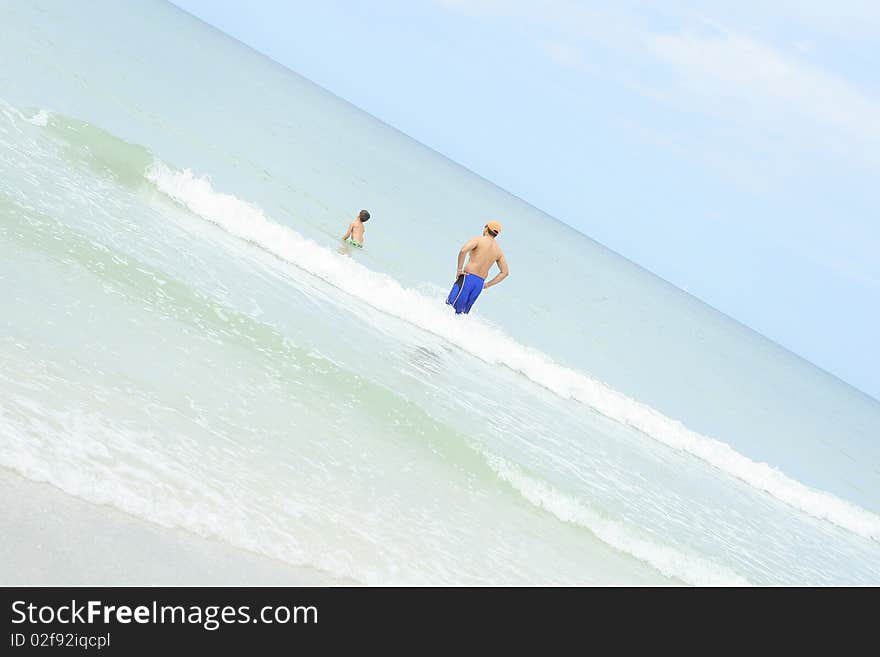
[(847, 19), (564, 54), (770, 90), (760, 78), (477, 7)]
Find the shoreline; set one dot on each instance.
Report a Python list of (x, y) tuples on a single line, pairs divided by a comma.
[(51, 538)]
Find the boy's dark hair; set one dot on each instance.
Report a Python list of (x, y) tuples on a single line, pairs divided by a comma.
[(363, 215)]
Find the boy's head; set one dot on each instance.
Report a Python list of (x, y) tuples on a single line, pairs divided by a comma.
[(363, 215)]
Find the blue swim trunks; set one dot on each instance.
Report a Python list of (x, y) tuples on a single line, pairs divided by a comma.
[(465, 290)]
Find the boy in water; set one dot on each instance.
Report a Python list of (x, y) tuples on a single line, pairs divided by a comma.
[(355, 233), (470, 279)]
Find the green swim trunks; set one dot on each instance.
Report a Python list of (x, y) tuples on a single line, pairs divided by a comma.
[(351, 241)]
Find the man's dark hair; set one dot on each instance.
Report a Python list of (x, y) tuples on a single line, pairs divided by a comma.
[(363, 215)]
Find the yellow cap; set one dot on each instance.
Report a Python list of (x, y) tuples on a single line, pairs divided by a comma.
[(494, 226)]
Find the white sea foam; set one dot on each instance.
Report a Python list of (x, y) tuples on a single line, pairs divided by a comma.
[(672, 562), (70, 450), (248, 222), (41, 118)]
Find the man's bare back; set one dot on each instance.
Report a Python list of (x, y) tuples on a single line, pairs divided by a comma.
[(484, 252)]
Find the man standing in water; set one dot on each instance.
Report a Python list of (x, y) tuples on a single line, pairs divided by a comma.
[(355, 233), (471, 278)]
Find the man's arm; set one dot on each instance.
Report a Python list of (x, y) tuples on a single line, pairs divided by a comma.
[(502, 265), (348, 233), (469, 246)]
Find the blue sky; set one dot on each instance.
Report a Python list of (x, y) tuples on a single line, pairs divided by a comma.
[(732, 148)]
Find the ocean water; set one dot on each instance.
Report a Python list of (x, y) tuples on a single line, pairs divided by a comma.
[(183, 338)]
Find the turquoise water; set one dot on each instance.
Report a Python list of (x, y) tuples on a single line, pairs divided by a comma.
[(185, 339)]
